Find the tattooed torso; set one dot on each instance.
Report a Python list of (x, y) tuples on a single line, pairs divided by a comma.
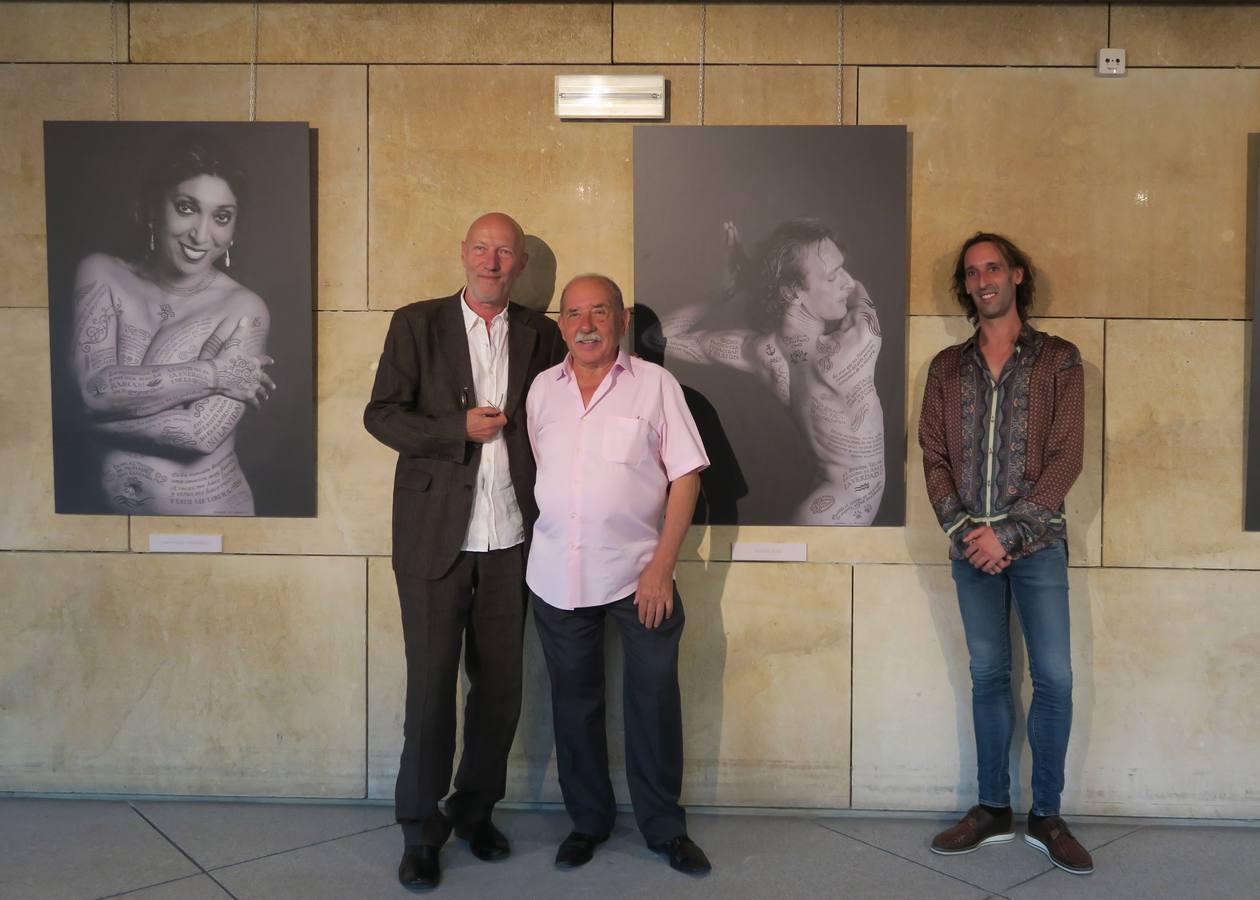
[(828, 382), (168, 441)]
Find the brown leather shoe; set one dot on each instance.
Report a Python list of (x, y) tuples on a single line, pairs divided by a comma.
[(1051, 836), (977, 828)]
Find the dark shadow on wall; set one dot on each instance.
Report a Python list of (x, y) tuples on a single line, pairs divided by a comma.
[(537, 284), (722, 484)]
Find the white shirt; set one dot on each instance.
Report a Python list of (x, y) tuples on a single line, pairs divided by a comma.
[(496, 521)]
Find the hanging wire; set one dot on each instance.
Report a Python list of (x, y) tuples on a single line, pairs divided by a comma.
[(113, 58), (253, 68), (704, 15), (840, 63)]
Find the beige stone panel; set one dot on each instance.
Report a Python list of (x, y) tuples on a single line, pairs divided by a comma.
[(772, 33), (777, 95), (27, 519), (1163, 724), (63, 32), (370, 32), (434, 169), (1166, 678), (183, 674), (1096, 164), (436, 32), (921, 539), (1005, 34), (182, 93), (757, 638), (387, 679), (356, 473), (334, 100), (765, 684), (1175, 435), (1187, 34), (192, 32), (656, 32), (757, 33), (29, 95)]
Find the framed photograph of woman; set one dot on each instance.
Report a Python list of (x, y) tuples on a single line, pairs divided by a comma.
[(770, 272), (180, 315)]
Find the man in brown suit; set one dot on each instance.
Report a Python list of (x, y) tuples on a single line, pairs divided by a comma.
[(450, 398)]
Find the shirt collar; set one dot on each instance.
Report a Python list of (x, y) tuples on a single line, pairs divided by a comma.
[(471, 318), (622, 362), (1027, 337)]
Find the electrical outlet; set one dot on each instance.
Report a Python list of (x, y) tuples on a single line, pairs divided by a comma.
[(1111, 62)]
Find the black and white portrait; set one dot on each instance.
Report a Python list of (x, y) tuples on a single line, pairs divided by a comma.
[(770, 275), (180, 318)]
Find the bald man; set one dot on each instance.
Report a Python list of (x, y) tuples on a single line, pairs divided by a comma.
[(450, 398)]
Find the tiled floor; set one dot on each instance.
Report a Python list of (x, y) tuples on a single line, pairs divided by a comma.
[(168, 850)]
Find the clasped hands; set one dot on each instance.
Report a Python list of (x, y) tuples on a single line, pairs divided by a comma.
[(985, 551), (239, 375)]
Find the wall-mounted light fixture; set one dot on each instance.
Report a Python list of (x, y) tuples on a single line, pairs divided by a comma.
[(610, 96)]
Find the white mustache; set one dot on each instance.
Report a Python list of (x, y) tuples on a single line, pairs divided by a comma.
[(589, 338)]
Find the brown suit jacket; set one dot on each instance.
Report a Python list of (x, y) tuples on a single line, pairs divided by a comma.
[(417, 409)]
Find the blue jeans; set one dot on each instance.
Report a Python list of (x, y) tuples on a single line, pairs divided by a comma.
[(1039, 586)]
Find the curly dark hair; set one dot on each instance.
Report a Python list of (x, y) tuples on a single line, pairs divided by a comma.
[(1014, 257), (189, 154)]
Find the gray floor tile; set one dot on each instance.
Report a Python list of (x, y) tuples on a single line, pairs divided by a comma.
[(218, 834), (994, 868), (1156, 862), (753, 857), (198, 887), (80, 848)]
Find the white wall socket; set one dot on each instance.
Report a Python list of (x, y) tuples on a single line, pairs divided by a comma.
[(1111, 62)]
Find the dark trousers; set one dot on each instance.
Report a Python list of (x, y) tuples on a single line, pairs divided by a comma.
[(480, 604), (573, 644)]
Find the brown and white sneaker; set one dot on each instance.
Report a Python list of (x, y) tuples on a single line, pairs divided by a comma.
[(977, 828), (1051, 836)]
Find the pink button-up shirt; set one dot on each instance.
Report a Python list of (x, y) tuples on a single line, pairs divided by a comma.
[(602, 474)]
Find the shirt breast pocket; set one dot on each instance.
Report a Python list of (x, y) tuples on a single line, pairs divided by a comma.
[(625, 440)]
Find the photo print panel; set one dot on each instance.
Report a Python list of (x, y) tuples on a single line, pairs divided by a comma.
[(770, 277), (179, 297), (1251, 502)]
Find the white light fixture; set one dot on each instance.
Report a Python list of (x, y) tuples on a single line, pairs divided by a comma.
[(610, 96)]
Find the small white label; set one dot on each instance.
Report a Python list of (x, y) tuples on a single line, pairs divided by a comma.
[(764, 551), (185, 543)]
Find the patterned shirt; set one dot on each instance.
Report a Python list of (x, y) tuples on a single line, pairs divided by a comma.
[(1004, 451)]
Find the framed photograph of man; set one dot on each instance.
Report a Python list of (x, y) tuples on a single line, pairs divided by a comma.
[(770, 276), (180, 317)]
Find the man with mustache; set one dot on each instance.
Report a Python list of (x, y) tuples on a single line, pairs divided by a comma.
[(449, 397), (1002, 432), (619, 459)]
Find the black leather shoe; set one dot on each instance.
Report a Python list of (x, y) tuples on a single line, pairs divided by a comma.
[(419, 868), (577, 849), (486, 842), (685, 856)]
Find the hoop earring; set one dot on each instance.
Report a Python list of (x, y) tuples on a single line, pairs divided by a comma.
[(152, 243), (227, 257)]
